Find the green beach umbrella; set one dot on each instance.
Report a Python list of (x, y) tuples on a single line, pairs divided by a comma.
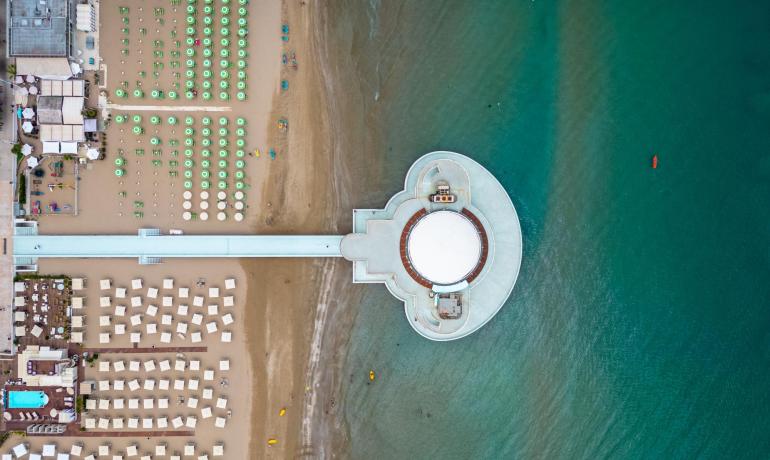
[(155, 140), (241, 84), (205, 174), (187, 184), (156, 94), (206, 121), (205, 153), (138, 93), (240, 185), (172, 120), (243, 2), (242, 53), (155, 120), (224, 31), (222, 164), (223, 121), (222, 174), (120, 161), (240, 142), (190, 52), (206, 132), (207, 52), (205, 142), (225, 9), (224, 63), (240, 164), (188, 152), (188, 174), (190, 9), (242, 22), (223, 153), (224, 74), (189, 73), (206, 84), (240, 153), (206, 95), (207, 31), (189, 131), (224, 95), (240, 121), (223, 132), (189, 31), (240, 132), (224, 52), (224, 42), (223, 142), (119, 172), (224, 21), (189, 41), (136, 118), (224, 84), (241, 74), (205, 185), (189, 142), (241, 95), (189, 121), (208, 9), (242, 11), (191, 20), (188, 163), (207, 42), (205, 163), (222, 185), (207, 63), (173, 94), (207, 73), (242, 32), (120, 92), (137, 130), (207, 20), (189, 63), (242, 63), (120, 119), (242, 43), (239, 175)]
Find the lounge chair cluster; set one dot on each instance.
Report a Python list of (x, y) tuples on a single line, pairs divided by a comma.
[(105, 450)]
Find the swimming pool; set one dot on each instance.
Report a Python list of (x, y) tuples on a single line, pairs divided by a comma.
[(26, 399)]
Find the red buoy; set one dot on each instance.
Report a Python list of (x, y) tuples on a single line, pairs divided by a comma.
[(654, 162)]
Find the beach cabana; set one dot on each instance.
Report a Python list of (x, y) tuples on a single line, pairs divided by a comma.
[(119, 366), (196, 337), (149, 384), (192, 385), (120, 293), (133, 423), (103, 423), (105, 284), (136, 337), (224, 364), (136, 319), (164, 365), (197, 319), (189, 449), (133, 403), (168, 283), (149, 365), (213, 309), (162, 423), (152, 293), (178, 384), (62, 456), (104, 366), (230, 283), (49, 450), (20, 331), (227, 319), (152, 310), (76, 450), (198, 301), (90, 423), (162, 403), (228, 301), (104, 404), (136, 301), (132, 450), (120, 310), (104, 450), (77, 337), (151, 328), (105, 320), (208, 375), (36, 330), (221, 402), (160, 450), (133, 366), (192, 403), (120, 329), (147, 423), (207, 394), (105, 301), (76, 321), (104, 385), (117, 423), (206, 412), (177, 423), (195, 365), (166, 320), (118, 385), (77, 302), (165, 337), (90, 404), (118, 403), (77, 285), (167, 301), (182, 310), (181, 328), (180, 365), (191, 421), (136, 284), (211, 327), (104, 337), (184, 292), (164, 384), (213, 292), (218, 450), (220, 422), (227, 337)]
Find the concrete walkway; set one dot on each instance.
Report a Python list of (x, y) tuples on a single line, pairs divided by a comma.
[(168, 108), (174, 246)]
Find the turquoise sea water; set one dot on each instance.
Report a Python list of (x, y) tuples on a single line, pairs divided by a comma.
[(640, 324)]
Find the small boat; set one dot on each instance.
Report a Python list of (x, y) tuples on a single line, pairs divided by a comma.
[(282, 412), (371, 376), (256, 153), (272, 442), (654, 162), (272, 154)]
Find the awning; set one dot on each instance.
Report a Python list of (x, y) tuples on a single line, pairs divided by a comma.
[(89, 125), (69, 147), (71, 109), (50, 147), (51, 68), (62, 133)]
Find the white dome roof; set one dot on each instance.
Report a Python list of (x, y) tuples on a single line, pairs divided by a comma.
[(444, 247)]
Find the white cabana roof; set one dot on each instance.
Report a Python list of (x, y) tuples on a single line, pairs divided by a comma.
[(69, 147), (62, 88), (51, 147), (50, 68), (71, 110)]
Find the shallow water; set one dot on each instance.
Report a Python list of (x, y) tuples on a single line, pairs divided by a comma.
[(639, 325)]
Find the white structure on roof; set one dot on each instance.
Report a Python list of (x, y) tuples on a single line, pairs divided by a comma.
[(63, 374), (86, 18), (449, 245), (72, 88)]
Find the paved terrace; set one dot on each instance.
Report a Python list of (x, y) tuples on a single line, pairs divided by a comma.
[(189, 246)]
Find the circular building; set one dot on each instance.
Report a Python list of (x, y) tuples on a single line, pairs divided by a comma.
[(448, 245)]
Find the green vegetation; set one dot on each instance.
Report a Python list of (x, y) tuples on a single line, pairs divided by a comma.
[(22, 189), (16, 150), (80, 404), (12, 70)]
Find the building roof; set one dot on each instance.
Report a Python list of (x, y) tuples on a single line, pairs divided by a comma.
[(444, 247), (39, 28), (62, 133), (62, 88), (44, 67), (49, 110)]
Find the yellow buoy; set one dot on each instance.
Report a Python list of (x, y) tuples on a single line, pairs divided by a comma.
[(272, 442), (371, 376), (256, 153), (282, 412)]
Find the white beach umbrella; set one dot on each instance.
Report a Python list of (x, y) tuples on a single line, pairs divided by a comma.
[(204, 195), (21, 90), (187, 195), (33, 90), (221, 216), (26, 127), (186, 205), (26, 150), (32, 162), (30, 79), (19, 79), (28, 113), (239, 195), (186, 215), (238, 217), (92, 154), (221, 195), (204, 216)]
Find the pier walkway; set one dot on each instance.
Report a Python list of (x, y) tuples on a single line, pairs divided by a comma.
[(174, 246)]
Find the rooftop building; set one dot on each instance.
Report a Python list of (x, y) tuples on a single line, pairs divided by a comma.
[(39, 28)]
